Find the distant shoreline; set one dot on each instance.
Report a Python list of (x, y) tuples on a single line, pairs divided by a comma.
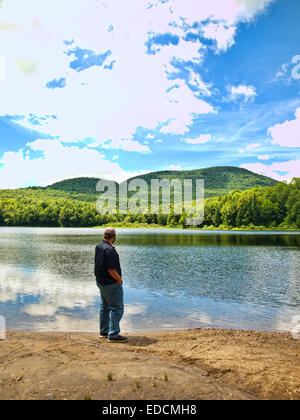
[(195, 228), (146, 226)]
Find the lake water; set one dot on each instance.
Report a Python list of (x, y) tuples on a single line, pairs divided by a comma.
[(173, 279)]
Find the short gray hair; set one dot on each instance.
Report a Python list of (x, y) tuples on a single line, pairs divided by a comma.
[(110, 233)]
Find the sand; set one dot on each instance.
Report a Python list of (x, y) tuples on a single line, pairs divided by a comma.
[(178, 365)]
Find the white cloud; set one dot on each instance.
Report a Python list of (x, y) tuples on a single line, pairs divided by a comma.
[(197, 82), (253, 146), (264, 157), (250, 147), (287, 134), (230, 11), (221, 33), (175, 167), (57, 162), (56, 295), (112, 103), (93, 145), (109, 104), (248, 92), (292, 169), (250, 8), (184, 105), (178, 125), (126, 145), (224, 16), (204, 138)]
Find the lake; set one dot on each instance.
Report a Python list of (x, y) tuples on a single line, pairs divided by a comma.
[(173, 279)]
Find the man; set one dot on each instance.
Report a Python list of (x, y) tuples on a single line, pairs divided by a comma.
[(109, 280)]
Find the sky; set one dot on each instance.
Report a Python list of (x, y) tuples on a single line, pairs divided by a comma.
[(117, 88)]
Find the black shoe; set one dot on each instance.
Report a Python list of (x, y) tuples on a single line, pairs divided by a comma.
[(119, 339), (103, 336)]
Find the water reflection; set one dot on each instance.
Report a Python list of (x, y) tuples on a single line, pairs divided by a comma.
[(172, 280)]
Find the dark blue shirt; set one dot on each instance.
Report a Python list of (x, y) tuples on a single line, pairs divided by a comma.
[(106, 258)]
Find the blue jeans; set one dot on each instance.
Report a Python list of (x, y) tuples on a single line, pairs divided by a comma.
[(111, 309)]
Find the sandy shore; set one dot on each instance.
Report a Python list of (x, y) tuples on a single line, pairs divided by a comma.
[(190, 364)]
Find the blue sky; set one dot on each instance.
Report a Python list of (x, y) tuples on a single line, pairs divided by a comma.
[(117, 88)]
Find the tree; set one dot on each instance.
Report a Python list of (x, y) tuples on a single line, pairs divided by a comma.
[(1, 216)]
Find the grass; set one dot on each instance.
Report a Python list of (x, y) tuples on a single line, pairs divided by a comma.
[(109, 376), (132, 226), (122, 225), (221, 228)]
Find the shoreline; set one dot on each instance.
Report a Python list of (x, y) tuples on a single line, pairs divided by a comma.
[(155, 227), (198, 229), (193, 364), (156, 331)]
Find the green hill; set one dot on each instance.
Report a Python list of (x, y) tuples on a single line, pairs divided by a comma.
[(218, 180), (252, 201), (76, 185)]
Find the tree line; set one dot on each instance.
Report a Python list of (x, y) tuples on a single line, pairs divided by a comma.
[(269, 207)]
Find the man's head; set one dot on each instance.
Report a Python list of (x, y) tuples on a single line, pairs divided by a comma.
[(110, 235)]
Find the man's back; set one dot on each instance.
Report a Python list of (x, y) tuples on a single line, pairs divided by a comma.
[(106, 258), (110, 283)]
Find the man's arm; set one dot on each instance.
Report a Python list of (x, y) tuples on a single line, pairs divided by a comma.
[(111, 264), (97, 261), (115, 275)]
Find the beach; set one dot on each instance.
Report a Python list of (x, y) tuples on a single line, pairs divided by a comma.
[(194, 364)]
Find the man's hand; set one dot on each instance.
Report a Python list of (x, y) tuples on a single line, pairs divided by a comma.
[(115, 275)]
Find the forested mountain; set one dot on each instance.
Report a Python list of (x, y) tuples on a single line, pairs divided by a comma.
[(76, 185), (218, 180), (72, 204)]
